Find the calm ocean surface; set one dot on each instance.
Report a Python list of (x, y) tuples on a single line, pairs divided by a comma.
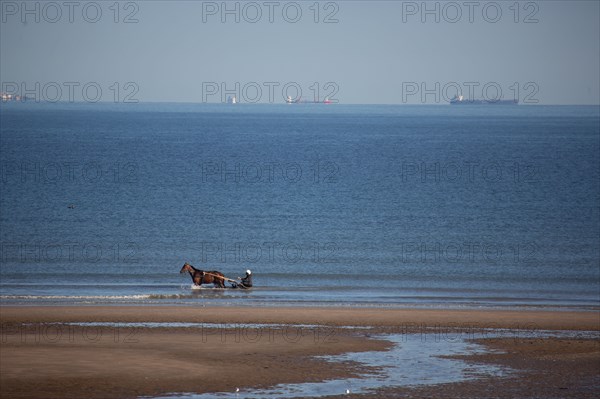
[(435, 206)]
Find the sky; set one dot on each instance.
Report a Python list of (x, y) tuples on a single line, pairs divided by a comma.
[(351, 52)]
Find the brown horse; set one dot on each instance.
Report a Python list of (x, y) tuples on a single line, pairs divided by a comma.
[(200, 277)]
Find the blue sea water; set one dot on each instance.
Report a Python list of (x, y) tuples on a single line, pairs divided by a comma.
[(336, 205)]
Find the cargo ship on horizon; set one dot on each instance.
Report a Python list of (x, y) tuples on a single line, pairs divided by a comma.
[(460, 100), (290, 100)]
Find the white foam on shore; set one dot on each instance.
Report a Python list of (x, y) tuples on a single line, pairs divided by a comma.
[(78, 297)]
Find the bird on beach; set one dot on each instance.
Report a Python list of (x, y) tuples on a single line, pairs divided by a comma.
[(347, 391)]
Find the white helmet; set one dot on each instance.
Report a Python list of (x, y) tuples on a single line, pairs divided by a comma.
[(248, 271)]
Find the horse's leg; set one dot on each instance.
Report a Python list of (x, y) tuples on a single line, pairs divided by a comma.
[(193, 278)]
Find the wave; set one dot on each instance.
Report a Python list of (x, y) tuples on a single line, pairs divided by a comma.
[(171, 296), (82, 297)]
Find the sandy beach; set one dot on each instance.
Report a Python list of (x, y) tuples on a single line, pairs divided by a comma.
[(42, 357)]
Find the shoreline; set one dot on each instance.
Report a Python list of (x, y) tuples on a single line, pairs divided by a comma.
[(76, 351), (559, 307)]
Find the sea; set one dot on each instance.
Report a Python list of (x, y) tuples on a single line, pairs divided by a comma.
[(432, 206)]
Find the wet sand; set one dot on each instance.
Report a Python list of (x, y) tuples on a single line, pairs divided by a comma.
[(550, 320), (547, 368), (41, 360)]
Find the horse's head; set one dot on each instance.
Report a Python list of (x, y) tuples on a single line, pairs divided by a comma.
[(186, 268)]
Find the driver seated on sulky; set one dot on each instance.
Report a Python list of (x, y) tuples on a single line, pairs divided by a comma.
[(246, 281)]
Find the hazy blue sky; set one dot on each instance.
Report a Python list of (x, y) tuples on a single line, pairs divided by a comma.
[(376, 52)]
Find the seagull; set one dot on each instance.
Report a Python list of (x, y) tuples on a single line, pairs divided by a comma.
[(237, 389), (347, 391)]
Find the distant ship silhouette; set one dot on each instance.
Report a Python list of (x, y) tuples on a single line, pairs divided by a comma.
[(460, 100)]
